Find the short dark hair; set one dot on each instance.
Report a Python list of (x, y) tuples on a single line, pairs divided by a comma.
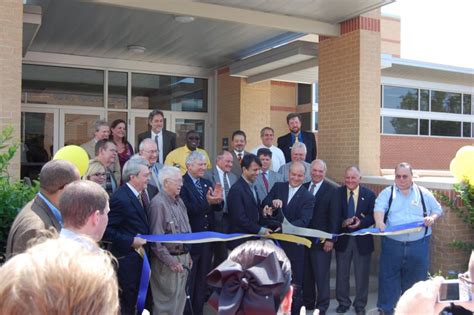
[(190, 132), (102, 144), (264, 152), (248, 159), (155, 112), (266, 128), (56, 174), (80, 200), (239, 133), (293, 115)]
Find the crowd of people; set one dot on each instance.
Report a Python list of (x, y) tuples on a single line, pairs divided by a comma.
[(164, 189)]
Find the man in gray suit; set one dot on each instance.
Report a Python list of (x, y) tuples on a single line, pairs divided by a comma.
[(221, 173), (298, 153), (266, 178), (239, 140), (42, 212)]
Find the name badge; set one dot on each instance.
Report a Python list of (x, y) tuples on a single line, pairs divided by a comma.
[(415, 202)]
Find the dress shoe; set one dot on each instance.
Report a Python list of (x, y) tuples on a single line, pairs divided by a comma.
[(360, 312), (342, 309)]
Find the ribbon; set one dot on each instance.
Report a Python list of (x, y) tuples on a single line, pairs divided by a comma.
[(144, 280)]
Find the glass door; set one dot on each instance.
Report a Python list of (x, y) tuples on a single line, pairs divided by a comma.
[(76, 125), (138, 123)]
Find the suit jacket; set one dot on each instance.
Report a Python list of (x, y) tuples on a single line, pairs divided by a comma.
[(236, 168), (213, 176), (244, 211), (323, 218), (200, 212), (285, 144), (169, 141), (89, 146), (35, 216), (272, 177), (364, 211), (298, 211), (127, 218)]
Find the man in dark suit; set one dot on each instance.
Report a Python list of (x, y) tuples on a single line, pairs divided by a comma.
[(201, 200), (243, 202), (127, 218), (297, 135), (239, 140), (42, 212), (317, 263), (357, 204), (165, 140), (291, 200), (221, 175), (266, 177)]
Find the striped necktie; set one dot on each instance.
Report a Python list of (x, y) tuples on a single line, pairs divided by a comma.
[(198, 185)]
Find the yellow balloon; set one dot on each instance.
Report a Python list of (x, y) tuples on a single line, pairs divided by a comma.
[(465, 160), (76, 155), (455, 169), (464, 149)]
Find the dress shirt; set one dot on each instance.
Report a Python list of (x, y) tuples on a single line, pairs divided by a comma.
[(134, 191), (355, 196), (83, 240), (278, 158), (252, 189), (221, 181), (407, 209), (178, 157), (160, 144), (292, 191), (56, 212), (316, 187), (237, 154)]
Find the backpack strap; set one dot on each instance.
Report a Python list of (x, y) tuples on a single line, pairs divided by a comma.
[(389, 205), (425, 213)]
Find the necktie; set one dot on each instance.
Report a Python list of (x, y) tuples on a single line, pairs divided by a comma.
[(312, 188), (144, 200), (297, 139), (351, 206), (239, 157), (158, 148), (265, 181), (226, 191), (199, 189)]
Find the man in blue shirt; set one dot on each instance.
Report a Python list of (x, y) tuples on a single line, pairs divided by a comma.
[(404, 259)]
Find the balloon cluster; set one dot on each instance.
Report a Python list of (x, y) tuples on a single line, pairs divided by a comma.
[(462, 166), (76, 155)]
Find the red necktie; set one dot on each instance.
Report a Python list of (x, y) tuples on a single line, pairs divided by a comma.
[(239, 156), (265, 180)]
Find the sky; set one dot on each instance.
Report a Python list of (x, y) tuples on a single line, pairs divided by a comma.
[(436, 31)]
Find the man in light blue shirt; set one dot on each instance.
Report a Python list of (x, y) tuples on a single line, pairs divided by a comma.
[(404, 259)]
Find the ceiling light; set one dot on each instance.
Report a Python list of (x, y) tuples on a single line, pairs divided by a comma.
[(184, 18), (136, 49)]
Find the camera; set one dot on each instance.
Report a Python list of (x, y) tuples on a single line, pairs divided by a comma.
[(454, 291)]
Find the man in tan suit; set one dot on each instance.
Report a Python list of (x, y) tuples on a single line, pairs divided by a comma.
[(42, 212), (101, 131)]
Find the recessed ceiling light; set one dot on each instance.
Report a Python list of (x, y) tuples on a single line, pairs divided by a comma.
[(183, 18), (136, 49)]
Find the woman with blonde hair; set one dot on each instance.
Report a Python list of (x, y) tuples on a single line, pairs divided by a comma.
[(96, 173)]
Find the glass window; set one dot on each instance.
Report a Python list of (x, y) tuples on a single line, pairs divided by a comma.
[(304, 94), (424, 127), (184, 125), (446, 128), (403, 126), (466, 129), (63, 86), (306, 121), (400, 98), (316, 93), (425, 100), (169, 93), (466, 99), (117, 90), (445, 102), (316, 118)]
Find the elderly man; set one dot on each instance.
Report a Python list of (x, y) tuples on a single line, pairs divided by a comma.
[(201, 201), (42, 212), (355, 205), (404, 258), (298, 153), (127, 218), (106, 154), (317, 263), (296, 135), (84, 207), (266, 177), (178, 156), (221, 175), (239, 141), (148, 151), (267, 134), (168, 215), (101, 131), (291, 200)]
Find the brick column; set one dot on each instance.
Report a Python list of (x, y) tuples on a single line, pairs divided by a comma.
[(11, 30), (349, 97)]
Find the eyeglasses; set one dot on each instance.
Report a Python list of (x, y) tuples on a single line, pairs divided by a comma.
[(401, 176), (99, 174), (150, 151), (193, 138)]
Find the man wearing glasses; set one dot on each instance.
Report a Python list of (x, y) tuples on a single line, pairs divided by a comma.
[(404, 259), (177, 157)]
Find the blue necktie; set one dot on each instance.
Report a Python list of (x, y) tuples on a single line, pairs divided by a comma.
[(199, 189), (351, 206)]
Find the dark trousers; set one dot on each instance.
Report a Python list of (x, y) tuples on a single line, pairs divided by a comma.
[(202, 259), (295, 253), (361, 273), (128, 274), (317, 269), (220, 248)]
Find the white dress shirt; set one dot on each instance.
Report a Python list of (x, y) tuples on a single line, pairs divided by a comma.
[(292, 191), (160, 144), (278, 158)]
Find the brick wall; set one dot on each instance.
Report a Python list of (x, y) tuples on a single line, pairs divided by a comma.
[(283, 102), (422, 152), (390, 36), (11, 28), (228, 106)]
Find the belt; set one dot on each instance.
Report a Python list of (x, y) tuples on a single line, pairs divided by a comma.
[(179, 253)]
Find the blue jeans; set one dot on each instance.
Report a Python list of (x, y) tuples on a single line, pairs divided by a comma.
[(402, 264)]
